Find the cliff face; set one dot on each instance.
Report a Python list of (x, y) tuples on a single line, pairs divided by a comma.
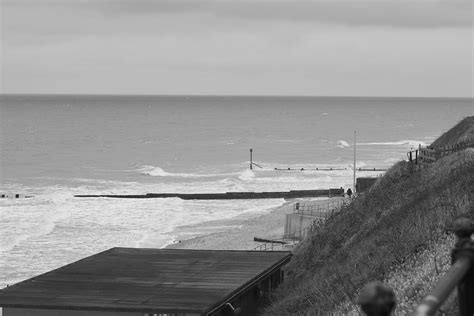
[(404, 213)]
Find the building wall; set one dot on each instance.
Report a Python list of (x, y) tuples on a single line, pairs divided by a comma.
[(255, 298), (59, 312)]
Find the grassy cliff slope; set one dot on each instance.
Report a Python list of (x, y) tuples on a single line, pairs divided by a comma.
[(404, 213), (463, 131)]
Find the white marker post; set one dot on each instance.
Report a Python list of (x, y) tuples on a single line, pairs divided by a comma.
[(354, 176)]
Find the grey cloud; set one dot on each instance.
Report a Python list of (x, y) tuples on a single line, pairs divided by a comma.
[(395, 13), (367, 13)]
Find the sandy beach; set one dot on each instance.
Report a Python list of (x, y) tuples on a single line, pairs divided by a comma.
[(238, 233)]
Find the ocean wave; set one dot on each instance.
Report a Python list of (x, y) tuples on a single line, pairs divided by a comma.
[(18, 228), (246, 175), (342, 144), (406, 142), (159, 172), (231, 184), (285, 140), (391, 160)]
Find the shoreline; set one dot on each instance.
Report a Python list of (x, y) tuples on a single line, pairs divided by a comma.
[(239, 231)]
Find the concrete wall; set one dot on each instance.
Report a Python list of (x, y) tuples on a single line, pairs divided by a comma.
[(255, 298)]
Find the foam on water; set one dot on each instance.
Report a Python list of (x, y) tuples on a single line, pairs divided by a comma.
[(247, 175), (407, 142), (53, 228), (391, 160), (342, 144), (286, 141), (159, 172)]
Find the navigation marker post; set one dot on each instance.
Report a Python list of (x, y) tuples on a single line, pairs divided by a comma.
[(251, 163)]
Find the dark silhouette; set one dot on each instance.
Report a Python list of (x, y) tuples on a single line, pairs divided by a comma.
[(377, 299), (349, 192)]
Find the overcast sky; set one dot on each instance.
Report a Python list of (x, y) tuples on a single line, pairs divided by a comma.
[(238, 47)]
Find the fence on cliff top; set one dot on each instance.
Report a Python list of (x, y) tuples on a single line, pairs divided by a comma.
[(426, 155)]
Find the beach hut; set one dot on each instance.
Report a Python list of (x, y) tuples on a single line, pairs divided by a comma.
[(151, 282)]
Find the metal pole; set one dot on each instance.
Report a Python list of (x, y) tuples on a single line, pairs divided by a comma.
[(460, 274), (432, 302), (354, 176), (251, 163), (378, 300), (464, 249)]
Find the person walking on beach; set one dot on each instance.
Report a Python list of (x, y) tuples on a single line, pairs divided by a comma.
[(349, 192)]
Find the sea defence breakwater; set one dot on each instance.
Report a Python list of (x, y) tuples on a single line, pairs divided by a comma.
[(226, 196)]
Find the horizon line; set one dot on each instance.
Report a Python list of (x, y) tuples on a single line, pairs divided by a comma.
[(232, 95)]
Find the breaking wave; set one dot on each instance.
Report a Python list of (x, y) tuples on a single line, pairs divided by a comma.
[(342, 144), (247, 175), (159, 172), (412, 143)]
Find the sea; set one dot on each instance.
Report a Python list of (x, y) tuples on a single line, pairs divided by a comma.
[(56, 146)]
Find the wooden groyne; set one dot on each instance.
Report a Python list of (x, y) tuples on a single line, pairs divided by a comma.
[(225, 196), (14, 196)]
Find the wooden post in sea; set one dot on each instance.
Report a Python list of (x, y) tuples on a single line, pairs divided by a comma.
[(251, 163)]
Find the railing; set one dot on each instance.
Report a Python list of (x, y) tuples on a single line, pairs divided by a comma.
[(320, 209), (377, 299), (321, 212), (272, 246), (302, 233)]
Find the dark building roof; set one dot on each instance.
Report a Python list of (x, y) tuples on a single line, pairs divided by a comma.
[(146, 280)]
